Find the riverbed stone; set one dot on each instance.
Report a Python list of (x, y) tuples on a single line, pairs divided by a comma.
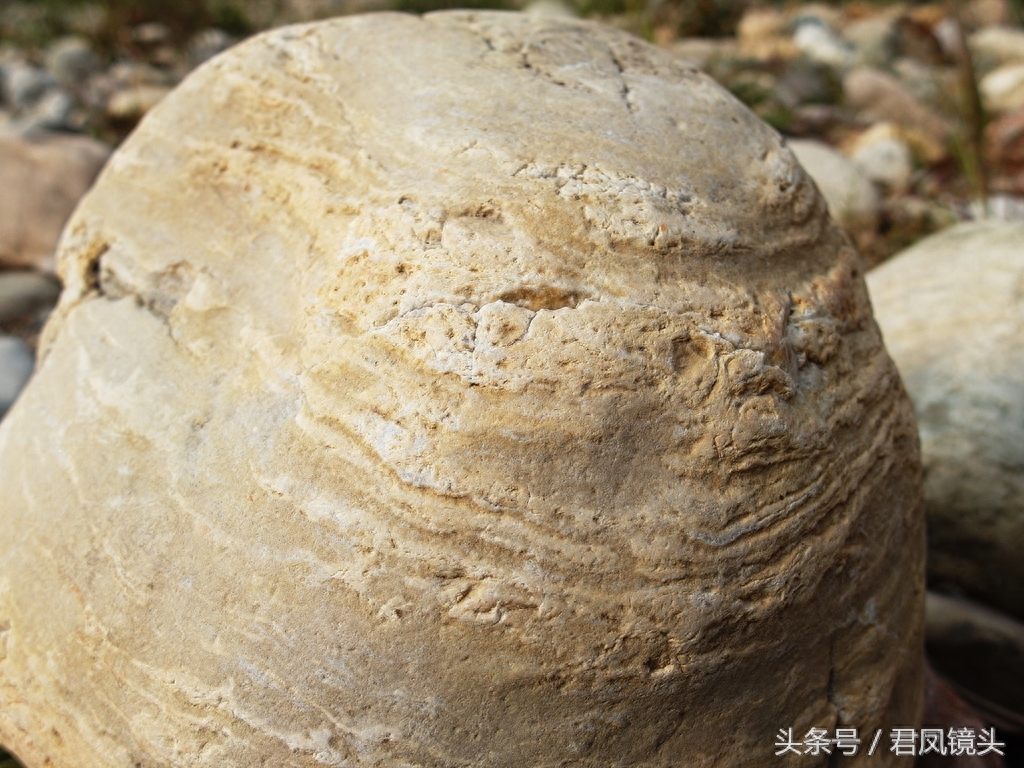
[(951, 310), (468, 389)]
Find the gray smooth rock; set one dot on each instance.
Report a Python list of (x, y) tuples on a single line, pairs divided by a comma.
[(71, 60), (24, 85), (982, 652), (22, 293), (951, 310), (819, 43), (886, 161), (16, 363), (52, 112), (875, 39)]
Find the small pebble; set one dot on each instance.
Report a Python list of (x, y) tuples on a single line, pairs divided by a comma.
[(132, 103), (1003, 89), (52, 112), (995, 46), (874, 38), (151, 33), (207, 44), (884, 157), (71, 60), (24, 84), (819, 43), (852, 199)]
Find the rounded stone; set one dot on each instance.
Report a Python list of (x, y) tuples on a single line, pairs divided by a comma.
[(951, 309), (851, 197), (474, 389), (42, 178), (25, 293)]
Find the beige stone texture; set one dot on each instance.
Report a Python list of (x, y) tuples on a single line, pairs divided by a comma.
[(951, 309), (467, 390)]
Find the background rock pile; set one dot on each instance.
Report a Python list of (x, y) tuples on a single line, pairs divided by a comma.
[(910, 117)]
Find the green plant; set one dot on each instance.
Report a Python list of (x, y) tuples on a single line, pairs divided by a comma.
[(968, 142)]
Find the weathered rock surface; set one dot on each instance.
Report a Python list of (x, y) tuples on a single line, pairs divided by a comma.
[(41, 180), (951, 309), (473, 389)]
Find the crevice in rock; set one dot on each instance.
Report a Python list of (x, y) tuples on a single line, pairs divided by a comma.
[(166, 288), (89, 257), (536, 298), (627, 96)]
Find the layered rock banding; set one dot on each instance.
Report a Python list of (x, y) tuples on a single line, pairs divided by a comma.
[(952, 311), (461, 390)]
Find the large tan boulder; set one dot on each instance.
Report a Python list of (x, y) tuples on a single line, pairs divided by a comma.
[(474, 390), (951, 310)]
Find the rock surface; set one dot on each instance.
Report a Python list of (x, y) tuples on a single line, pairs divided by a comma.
[(982, 651), (22, 293), (1003, 89), (998, 45), (511, 401), (15, 369), (852, 198), (881, 154), (882, 97), (41, 181), (951, 309), (788, 64)]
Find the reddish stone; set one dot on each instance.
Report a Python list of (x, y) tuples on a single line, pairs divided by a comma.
[(944, 709)]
